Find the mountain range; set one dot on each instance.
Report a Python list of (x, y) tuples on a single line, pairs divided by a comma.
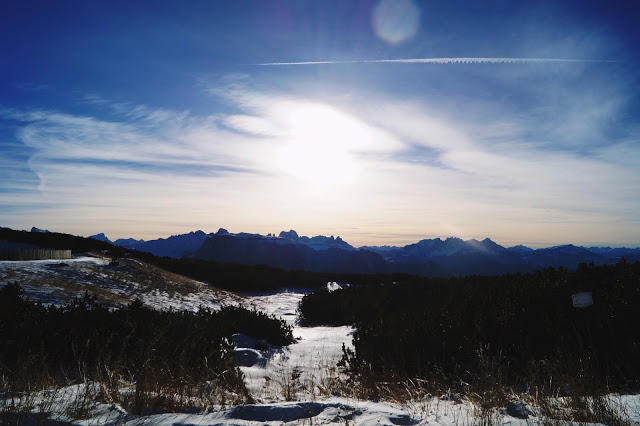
[(428, 257)]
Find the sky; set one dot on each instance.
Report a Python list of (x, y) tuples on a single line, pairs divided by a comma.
[(383, 121)]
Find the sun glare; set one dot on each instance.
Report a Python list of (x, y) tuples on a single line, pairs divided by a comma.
[(321, 143)]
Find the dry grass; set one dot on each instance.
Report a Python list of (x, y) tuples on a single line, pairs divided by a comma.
[(581, 409), (79, 402)]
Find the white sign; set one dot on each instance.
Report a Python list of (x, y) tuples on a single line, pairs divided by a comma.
[(582, 300)]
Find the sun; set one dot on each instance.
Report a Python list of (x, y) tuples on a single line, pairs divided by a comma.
[(321, 143)]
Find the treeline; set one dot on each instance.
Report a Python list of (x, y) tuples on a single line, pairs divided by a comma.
[(160, 353), (229, 276), (515, 330)]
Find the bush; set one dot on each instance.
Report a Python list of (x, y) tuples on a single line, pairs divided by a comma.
[(161, 352), (519, 330)]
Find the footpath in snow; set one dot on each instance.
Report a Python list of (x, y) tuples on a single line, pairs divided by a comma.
[(301, 370)]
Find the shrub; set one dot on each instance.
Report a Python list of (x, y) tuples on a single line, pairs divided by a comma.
[(163, 353), (517, 330)]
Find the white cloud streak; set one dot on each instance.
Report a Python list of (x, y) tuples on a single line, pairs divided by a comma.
[(442, 61)]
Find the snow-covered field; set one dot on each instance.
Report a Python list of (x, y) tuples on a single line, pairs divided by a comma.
[(304, 369), (56, 281), (293, 385)]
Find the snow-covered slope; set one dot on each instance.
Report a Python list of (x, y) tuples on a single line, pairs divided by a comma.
[(55, 281)]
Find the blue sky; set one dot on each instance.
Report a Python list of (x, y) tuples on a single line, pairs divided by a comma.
[(146, 119)]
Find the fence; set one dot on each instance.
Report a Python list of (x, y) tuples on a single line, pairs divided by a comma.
[(34, 254)]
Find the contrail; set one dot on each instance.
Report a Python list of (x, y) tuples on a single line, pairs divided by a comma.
[(439, 61)]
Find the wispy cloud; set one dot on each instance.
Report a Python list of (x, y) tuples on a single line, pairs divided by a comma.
[(443, 61), (401, 162), (142, 135), (144, 165)]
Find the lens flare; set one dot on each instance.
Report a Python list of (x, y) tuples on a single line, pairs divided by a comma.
[(395, 21)]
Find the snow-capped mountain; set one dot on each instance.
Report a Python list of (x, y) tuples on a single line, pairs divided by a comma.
[(431, 257), (319, 242), (454, 256), (290, 251), (432, 248)]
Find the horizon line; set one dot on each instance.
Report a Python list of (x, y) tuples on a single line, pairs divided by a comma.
[(529, 244)]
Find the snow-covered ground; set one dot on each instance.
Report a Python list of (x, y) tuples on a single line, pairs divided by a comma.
[(61, 405), (304, 369), (294, 385), (75, 405), (56, 281)]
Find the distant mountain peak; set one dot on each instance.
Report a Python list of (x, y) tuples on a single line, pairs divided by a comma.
[(290, 235), (568, 248), (34, 229), (100, 237), (521, 248), (129, 243), (488, 242)]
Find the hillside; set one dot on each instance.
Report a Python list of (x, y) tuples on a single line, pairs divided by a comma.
[(58, 281)]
